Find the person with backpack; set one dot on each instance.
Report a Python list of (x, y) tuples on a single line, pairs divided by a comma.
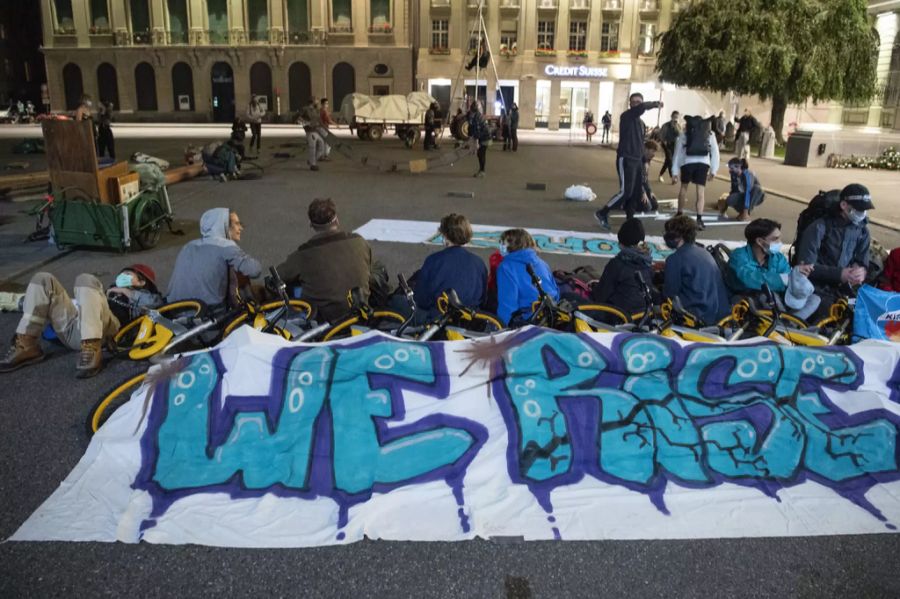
[(696, 161), (668, 135), (606, 121), (479, 134), (692, 274), (618, 285), (746, 192), (629, 160), (834, 237)]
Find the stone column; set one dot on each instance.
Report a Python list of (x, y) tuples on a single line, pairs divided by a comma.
[(555, 92), (81, 15), (527, 98)]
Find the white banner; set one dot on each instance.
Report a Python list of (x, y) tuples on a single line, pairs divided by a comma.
[(551, 241), (533, 434)]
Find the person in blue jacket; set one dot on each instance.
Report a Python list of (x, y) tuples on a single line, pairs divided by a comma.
[(515, 290), (692, 274), (746, 191), (453, 267), (761, 260)]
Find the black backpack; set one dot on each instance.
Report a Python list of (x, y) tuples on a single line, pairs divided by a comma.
[(697, 131), (823, 204)]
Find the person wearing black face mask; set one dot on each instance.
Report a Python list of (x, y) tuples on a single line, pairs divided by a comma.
[(838, 244), (692, 274)]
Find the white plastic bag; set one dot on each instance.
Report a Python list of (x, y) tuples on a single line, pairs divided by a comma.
[(580, 193)]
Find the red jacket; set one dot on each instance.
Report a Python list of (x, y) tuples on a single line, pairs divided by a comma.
[(891, 279)]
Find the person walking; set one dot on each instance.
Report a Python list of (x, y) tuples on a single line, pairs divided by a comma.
[(479, 134), (315, 143), (746, 125), (514, 127), (325, 121), (668, 135), (629, 160), (719, 126), (430, 118), (255, 114), (106, 143), (606, 120)]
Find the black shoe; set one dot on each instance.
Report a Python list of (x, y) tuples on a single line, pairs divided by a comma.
[(602, 219), (700, 225)]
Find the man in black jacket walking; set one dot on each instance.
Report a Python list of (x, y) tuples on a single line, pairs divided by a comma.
[(629, 160)]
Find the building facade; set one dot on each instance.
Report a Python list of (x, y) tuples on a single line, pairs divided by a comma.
[(556, 59), (201, 60)]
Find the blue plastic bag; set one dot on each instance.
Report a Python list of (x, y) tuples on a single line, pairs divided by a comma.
[(876, 314)]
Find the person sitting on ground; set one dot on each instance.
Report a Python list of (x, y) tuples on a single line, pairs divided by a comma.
[(453, 267), (330, 264), (837, 244), (515, 289), (761, 261), (85, 327), (648, 198), (692, 274), (890, 280), (618, 285), (695, 161), (222, 160), (210, 269), (746, 192)]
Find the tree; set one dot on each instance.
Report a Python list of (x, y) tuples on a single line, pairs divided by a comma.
[(784, 50)]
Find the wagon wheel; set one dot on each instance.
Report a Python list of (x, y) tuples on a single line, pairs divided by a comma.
[(375, 132), (147, 225), (361, 133), (410, 136), (463, 131)]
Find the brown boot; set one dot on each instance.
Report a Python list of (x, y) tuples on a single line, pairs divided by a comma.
[(23, 351), (90, 362)]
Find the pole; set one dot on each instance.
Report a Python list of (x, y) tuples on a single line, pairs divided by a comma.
[(659, 110)]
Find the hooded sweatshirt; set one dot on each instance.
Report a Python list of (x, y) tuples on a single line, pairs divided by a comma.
[(202, 267), (618, 285), (515, 291)]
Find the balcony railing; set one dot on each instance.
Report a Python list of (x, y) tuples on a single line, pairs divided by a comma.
[(258, 36), (510, 4), (216, 37), (305, 38), (612, 9), (440, 3), (381, 29), (548, 4), (341, 29), (176, 37), (649, 6), (579, 4), (141, 38)]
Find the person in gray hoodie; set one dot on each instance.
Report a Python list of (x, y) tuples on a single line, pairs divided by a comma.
[(205, 266)]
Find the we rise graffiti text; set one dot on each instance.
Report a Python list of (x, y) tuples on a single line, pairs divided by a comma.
[(641, 413)]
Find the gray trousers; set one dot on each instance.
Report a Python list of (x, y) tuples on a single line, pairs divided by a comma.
[(46, 300), (315, 146)]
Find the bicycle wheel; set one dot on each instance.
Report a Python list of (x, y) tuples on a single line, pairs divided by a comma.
[(111, 401), (381, 320), (142, 338), (299, 310)]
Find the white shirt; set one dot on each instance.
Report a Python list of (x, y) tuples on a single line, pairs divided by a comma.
[(681, 157)]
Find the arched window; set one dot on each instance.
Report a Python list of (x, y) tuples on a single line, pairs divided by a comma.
[(72, 85), (261, 82), (343, 83), (182, 85), (145, 86), (107, 84), (299, 85)]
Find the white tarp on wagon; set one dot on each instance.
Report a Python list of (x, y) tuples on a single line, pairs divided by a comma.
[(395, 108)]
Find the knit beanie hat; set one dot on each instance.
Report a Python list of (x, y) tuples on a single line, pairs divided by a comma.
[(631, 232)]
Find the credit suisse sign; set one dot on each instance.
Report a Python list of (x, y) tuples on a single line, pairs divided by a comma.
[(554, 70)]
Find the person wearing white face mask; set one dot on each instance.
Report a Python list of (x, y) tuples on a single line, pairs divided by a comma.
[(82, 324), (837, 244), (761, 261)]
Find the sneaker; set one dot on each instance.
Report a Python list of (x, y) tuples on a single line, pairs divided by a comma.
[(313, 167), (700, 225), (602, 219), (90, 360), (222, 177), (11, 302), (662, 179), (23, 351), (479, 175)]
